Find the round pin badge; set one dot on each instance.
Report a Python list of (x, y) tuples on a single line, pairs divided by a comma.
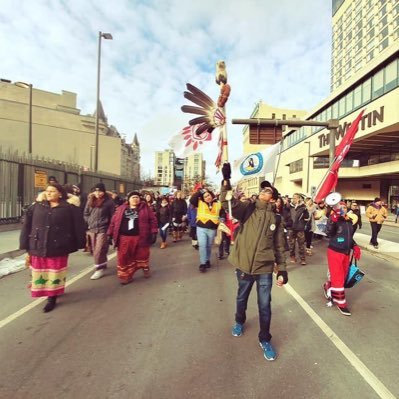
[(272, 227)]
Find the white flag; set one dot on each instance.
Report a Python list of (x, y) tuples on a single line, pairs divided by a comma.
[(187, 141)]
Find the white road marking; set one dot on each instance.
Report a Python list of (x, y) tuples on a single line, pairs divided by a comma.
[(38, 301), (381, 390)]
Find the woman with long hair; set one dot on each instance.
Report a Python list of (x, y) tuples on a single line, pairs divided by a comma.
[(52, 230), (179, 211)]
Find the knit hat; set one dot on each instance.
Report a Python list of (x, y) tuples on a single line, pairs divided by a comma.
[(342, 203), (133, 193), (100, 187), (376, 199)]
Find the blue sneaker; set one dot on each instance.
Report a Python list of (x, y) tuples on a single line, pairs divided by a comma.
[(268, 352), (237, 330)]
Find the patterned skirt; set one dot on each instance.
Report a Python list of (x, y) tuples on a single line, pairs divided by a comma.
[(48, 275)]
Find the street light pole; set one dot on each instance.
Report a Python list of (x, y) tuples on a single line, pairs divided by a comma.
[(107, 36), (30, 134), (308, 171)]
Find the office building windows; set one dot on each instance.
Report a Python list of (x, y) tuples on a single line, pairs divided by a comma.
[(378, 84), (357, 97), (391, 75), (366, 91)]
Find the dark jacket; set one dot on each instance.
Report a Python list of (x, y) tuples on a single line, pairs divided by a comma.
[(341, 235), (297, 217), (50, 232), (163, 215), (147, 224), (99, 218), (260, 238), (178, 209), (359, 217)]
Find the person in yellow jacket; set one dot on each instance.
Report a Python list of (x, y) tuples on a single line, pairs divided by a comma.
[(376, 214), (208, 212)]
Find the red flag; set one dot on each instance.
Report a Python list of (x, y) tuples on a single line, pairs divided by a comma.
[(343, 147), (329, 183), (340, 152)]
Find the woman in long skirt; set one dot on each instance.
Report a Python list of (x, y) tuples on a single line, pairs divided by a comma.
[(52, 230)]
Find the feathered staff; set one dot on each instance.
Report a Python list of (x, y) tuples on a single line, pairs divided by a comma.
[(212, 114)]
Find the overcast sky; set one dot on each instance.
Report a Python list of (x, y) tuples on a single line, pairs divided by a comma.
[(277, 51)]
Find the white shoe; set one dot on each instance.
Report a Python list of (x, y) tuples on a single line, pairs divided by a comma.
[(97, 274)]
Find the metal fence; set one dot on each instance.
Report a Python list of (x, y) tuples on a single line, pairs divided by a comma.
[(20, 177)]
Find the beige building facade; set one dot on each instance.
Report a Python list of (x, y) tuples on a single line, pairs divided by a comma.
[(250, 185), (60, 132)]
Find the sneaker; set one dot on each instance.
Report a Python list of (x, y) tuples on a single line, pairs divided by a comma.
[(196, 247), (303, 262), (202, 268), (376, 246), (345, 311), (208, 264), (237, 330), (268, 352), (293, 260), (309, 252), (97, 274)]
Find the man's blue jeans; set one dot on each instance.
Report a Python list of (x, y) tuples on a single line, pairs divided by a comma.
[(264, 284), (205, 241)]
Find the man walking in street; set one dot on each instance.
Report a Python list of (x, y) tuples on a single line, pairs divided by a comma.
[(376, 214), (259, 244), (295, 221)]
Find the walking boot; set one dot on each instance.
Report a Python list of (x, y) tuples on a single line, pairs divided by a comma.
[(50, 305)]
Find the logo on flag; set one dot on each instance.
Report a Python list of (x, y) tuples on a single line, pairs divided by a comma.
[(252, 164)]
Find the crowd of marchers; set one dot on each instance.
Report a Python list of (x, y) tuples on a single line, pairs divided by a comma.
[(257, 233)]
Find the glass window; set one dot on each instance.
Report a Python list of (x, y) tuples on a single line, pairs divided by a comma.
[(384, 32), (366, 94), (349, 102), (335, 110), (357, 97), (342, 108), (384, 44), (391, 75), (378, 84)]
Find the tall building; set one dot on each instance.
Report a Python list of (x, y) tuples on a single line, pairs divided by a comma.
[(58, 131), (363, 34), (164, 168), (366, 77), (194, 171)]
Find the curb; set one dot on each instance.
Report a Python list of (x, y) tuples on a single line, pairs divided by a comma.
[(12, 254)]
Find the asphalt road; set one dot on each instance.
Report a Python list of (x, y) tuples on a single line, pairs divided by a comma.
[(169, 336)]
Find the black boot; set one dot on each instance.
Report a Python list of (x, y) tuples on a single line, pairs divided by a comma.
[(50, 305), (202, 268)]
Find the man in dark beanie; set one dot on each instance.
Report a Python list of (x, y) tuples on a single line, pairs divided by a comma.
[(258, 246), (97, 214)]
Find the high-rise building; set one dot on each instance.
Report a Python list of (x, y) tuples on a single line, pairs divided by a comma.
[(194, 171), (363, 32), (164, 168)]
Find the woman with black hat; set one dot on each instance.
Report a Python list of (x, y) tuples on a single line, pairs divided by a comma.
[(98, 214), (133, 229)]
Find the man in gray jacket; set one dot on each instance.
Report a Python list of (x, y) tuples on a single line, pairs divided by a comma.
[(259, 244)]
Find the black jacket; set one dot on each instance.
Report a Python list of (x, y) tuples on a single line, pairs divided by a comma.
[(341, 235), (178, 209), (297, 217), (50, 232)]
